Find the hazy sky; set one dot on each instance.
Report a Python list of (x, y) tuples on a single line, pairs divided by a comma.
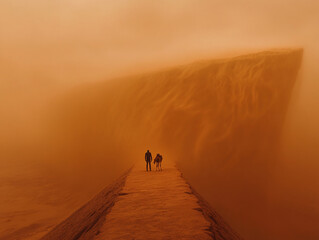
[(76, 40), (46, 46)]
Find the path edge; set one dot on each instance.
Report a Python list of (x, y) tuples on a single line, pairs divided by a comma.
[(219, 229), (85, 222)]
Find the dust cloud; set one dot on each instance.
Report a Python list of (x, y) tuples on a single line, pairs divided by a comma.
[(57, 59)]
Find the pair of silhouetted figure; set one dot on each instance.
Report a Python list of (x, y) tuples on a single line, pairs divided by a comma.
[(157, 160)]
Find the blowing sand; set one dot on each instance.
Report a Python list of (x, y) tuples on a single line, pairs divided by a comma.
[(221, 120)]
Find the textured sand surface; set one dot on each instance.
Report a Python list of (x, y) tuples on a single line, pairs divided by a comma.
[(150, 205), (155, 205), (85, 222)]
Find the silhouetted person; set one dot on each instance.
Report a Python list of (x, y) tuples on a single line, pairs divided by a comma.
[(158, 161), (148, 160)]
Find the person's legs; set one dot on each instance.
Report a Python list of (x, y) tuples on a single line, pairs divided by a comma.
[(150, 165), (146, 166)]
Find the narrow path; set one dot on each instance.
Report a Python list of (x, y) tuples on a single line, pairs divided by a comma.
[(155, 205), (145, 205)]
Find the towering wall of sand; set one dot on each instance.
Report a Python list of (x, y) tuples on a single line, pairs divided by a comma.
[(220, 120)]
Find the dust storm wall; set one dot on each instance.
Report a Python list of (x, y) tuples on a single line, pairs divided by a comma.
[(48, 46), (220, 120)]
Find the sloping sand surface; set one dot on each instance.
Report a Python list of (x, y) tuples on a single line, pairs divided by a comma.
[(160, 205), (155, 205), (151, 205), (85, 222)]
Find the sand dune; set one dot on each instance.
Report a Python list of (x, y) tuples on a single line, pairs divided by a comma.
[(221, 120)]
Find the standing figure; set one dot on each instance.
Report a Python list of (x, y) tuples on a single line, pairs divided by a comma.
[(148, 160), (158, 161)]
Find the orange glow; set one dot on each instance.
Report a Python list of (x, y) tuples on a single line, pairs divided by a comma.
[(66, 133)]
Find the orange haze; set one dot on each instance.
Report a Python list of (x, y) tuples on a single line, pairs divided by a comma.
[(57, 59)]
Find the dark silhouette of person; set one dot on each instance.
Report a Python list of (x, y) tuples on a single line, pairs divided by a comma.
[(148, 160)]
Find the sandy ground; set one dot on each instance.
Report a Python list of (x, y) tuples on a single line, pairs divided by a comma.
[(145, 205), (86, 221), (155, 205), (32, 204), (161, 205)]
